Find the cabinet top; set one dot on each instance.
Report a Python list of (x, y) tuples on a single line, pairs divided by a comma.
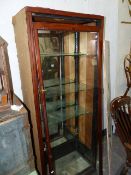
[(47, 11)]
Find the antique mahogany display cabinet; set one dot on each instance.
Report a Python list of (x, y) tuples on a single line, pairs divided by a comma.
[(60, 59)]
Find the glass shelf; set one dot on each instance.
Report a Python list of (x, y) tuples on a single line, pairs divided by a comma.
[(65, 54), (64, 89), (56, 82), (57, 104), (66, 113)]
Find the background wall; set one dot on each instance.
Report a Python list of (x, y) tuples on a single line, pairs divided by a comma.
[(109, 9), (123, 46)]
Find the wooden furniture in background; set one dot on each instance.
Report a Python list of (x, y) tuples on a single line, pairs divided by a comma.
[(60, 59), (6, 88), (16, 153), (121, 114), (127, 68)]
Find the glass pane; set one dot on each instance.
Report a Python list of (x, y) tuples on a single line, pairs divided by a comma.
[(69, 70)]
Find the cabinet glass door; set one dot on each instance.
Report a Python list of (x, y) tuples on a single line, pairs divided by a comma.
[(69, 73)]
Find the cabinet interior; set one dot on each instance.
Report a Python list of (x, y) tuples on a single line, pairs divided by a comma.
[(69, 80)]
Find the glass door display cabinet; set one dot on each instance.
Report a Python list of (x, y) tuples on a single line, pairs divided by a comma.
[(60, 58)]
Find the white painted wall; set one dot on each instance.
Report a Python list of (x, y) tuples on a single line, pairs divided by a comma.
[(123, 47), (109, 9)]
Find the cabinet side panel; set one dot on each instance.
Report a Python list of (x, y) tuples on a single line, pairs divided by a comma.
[(21, 39)]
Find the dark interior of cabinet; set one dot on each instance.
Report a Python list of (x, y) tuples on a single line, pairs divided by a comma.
[(52, 18)]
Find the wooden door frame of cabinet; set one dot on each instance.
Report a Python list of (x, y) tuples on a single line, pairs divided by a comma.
[(30, 29), (66, 27), (43, 99), (35, 89), (100, 91)]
